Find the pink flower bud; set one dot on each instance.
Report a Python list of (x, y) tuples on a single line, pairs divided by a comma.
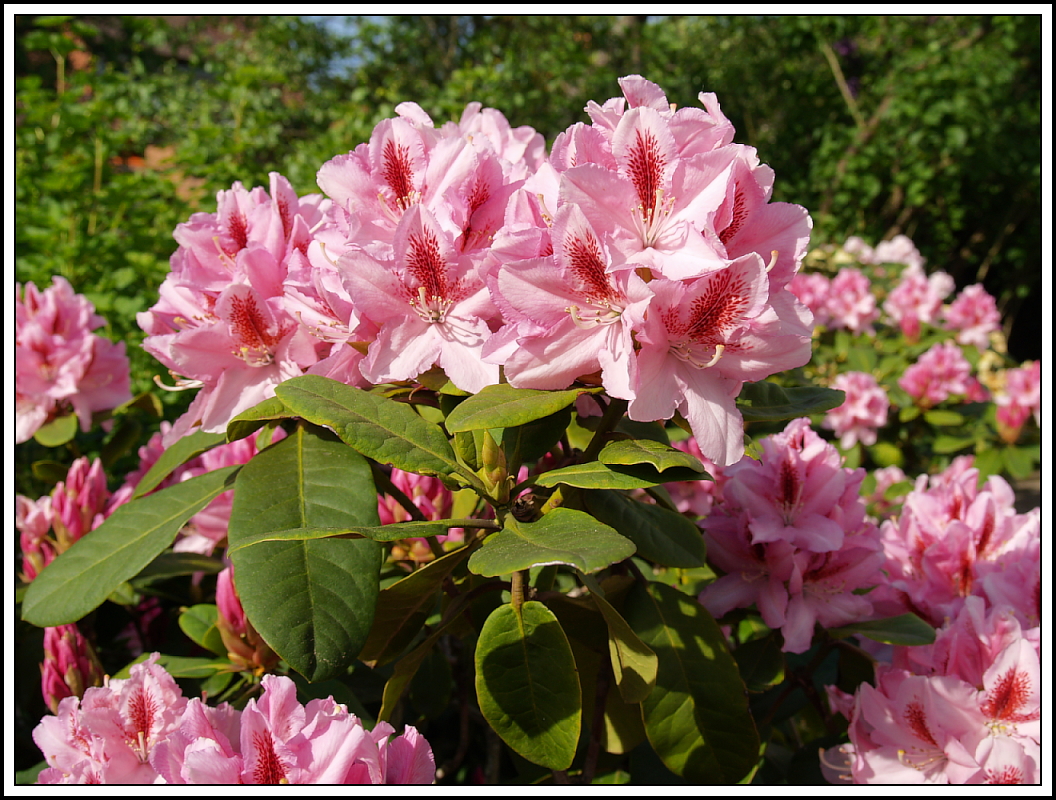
[(70, 665)]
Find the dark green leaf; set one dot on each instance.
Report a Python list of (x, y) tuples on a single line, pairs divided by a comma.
[(170, 565), (403, 608), (761, 663), (502, 406), (311, 601), (660, 535), (253, 419), (377, 533), (696, 717), (1020, 462), (952, 444), (905, 629), (765, 401), (181, 452), (379, 428), (633, 663), (527, 684), (564, 536), (84, 576)]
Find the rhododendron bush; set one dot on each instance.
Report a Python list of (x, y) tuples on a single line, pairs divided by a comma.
[(507, 465)]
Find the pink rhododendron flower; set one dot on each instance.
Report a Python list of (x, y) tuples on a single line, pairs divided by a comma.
[(244, 645), (791, 533), (429, 496), (917, 298), (953, 541), (941, 372), (974, 316), (60, 364), (812, 290), (109, 735), (864, 410), (849, 303)]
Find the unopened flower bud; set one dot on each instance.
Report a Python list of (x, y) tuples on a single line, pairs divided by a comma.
[(70, 665)]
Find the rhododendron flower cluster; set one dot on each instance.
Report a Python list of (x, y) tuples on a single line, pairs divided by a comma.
[(1019, 398), (644, 252), (60, 364), (953, 541), (965, 709), (941, 372), (864, 410), (974, 315), (790, 531), (143, 730), (917, 298), (430, 497)]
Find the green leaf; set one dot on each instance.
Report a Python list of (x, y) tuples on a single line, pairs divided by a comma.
[(377, 533), (311, 601), (83, 577), (1019, 462), (594, 475), (526, 444), (988, 462), (886, 454), (660, 535), (379, 428), (171, 565), (564, 536), (696, 717), (502, 406), (253, 419), (761, 663), (905, 629), (57, 432), (633, 663), (952, 444), (403, 608), (908, 413), (941, 417), (199, 623), (527, 684), (645, 451), (765, 401), (181, 452), (194, 667)]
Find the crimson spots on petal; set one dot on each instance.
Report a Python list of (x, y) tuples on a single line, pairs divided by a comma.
[(718, 309), (645, 165), (789, 485), (426, 264), (285, 216), (586, 262), (238, 230), (917, 721), (740, 212), (142, 711), (396, 170), (248, 324), (1005, 702), (267, 769)]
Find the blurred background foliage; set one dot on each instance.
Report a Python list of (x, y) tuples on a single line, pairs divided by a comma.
[(928, 126)]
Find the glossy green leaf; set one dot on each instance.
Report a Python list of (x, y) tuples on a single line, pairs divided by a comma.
[(199, 623), (527, 684), (526, 444), (696, 717), (312, 601), (253, 419), (593, 475), (564, 536), (404, 606), (765, 401), (761, 663), (382, 429), (58, 431), (85, 575), (644, 451), (502, 406), (182, 451), (633, 663), (660, 535), (1019, 461), (905, 629)]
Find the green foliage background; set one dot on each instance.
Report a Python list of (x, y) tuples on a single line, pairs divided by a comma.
[(928, 126)]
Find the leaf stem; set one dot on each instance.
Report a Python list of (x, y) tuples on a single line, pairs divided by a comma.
[(613, 414)]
